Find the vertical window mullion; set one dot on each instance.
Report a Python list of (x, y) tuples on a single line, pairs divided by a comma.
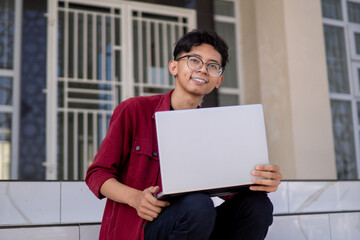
[(94, 48), (14, 152), (66, 114), (75, 163), (75, 44), (165, 52), (355, 115), (85, 46), (103, 48), (157, 54), (85, 144)]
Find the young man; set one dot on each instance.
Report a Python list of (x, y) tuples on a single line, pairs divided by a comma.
[(126, 168)]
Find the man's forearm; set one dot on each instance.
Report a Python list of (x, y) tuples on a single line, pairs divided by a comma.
[(119, 192)]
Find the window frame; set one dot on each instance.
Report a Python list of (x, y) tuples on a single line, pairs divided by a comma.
[(126, 48), (14, 109), (353, 60), (236, 21)]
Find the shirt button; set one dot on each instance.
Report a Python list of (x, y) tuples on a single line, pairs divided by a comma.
[(137, 148), (155, 154)]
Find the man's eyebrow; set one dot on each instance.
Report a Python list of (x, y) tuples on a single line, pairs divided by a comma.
[(210, 60)]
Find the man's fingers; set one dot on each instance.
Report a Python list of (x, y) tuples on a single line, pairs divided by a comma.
[(268, 167), (265, 174), (147, 217), (150, 197), (149, 212), (269, 180), (264, 188), (153, 190), (266, 182)]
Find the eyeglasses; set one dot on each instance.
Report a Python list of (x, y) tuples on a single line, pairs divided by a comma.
[(195, 63)]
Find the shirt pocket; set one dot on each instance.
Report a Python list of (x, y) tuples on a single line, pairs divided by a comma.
[(144, 164)]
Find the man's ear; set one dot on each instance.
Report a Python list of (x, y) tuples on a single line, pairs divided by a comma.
[(173, 67), (219, 81)]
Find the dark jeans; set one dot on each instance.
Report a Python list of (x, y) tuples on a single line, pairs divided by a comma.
[(247, 215)]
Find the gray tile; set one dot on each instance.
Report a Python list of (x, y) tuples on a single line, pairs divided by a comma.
[(79, 204), (345, 226), (324, 196), (40, 233), (348, 196), (29, 203), (300, 227), (312, 196), (280, 199), (90, 232)]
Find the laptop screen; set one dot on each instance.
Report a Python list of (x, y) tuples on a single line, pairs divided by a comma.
[(210, 148)]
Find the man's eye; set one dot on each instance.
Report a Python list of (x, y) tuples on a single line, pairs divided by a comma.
[(213, 66), (195, 60)]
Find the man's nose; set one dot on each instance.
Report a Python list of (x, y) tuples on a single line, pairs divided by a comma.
[(203, 69)]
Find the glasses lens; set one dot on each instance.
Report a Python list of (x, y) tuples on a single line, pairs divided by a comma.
[(214, 70), (194, 63)]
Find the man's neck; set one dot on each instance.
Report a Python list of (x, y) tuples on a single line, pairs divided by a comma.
[(181, 100)]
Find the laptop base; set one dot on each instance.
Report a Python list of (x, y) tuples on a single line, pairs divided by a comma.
[(218, 192)]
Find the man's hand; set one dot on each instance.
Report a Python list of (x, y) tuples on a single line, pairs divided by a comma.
[(271, 178), (147, 206)]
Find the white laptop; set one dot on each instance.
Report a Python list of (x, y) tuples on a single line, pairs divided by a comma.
[(212, 150)]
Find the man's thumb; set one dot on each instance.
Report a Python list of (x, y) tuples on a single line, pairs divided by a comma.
[(154, 189)]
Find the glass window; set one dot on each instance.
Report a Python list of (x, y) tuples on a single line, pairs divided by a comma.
[(5, 145), (5, 91), (336, 59), (224, 8), (229, 92), (344, 139), (228, 99), (344, 81), (357, 43), (7, 26), (227, 31), (91, 76), (353, 12), (6, 34), (332, 9)]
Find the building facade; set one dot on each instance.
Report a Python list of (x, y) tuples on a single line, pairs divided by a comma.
[(65, 65)]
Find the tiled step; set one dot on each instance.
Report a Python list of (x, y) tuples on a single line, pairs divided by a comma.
[(331, 226), (316, 210), (68, 210), (51, 232)]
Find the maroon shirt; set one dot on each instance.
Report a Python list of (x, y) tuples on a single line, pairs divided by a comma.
[(128, 153)]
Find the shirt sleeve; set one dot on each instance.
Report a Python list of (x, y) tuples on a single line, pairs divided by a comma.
[(113, 150)]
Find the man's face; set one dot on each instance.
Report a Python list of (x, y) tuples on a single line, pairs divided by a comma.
[(196, 82)]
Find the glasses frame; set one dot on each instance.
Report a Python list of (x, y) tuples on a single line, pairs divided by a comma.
[(222, 69)]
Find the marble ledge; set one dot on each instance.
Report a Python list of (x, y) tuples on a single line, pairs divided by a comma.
[(318, 196), (28, 203)]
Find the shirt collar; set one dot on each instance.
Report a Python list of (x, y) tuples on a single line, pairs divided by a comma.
[(164, 103)]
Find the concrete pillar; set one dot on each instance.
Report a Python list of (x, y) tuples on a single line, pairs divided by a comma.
[(288, 76)]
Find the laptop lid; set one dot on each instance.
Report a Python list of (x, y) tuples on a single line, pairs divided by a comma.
[(210, 149)]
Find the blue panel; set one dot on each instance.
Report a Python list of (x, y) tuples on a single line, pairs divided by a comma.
[(33, 100)]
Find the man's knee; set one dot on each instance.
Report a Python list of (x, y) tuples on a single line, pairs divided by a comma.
[(198, 207), (257, 208)]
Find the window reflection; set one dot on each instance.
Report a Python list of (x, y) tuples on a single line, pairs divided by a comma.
[(344, 139), (336, 59), (5, 145), (6, 34), (5, 91), (332, 9)]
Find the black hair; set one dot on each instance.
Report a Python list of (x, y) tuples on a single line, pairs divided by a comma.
[(196, 38)]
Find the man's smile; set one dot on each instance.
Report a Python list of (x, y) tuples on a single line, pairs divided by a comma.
[(199, 80)]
